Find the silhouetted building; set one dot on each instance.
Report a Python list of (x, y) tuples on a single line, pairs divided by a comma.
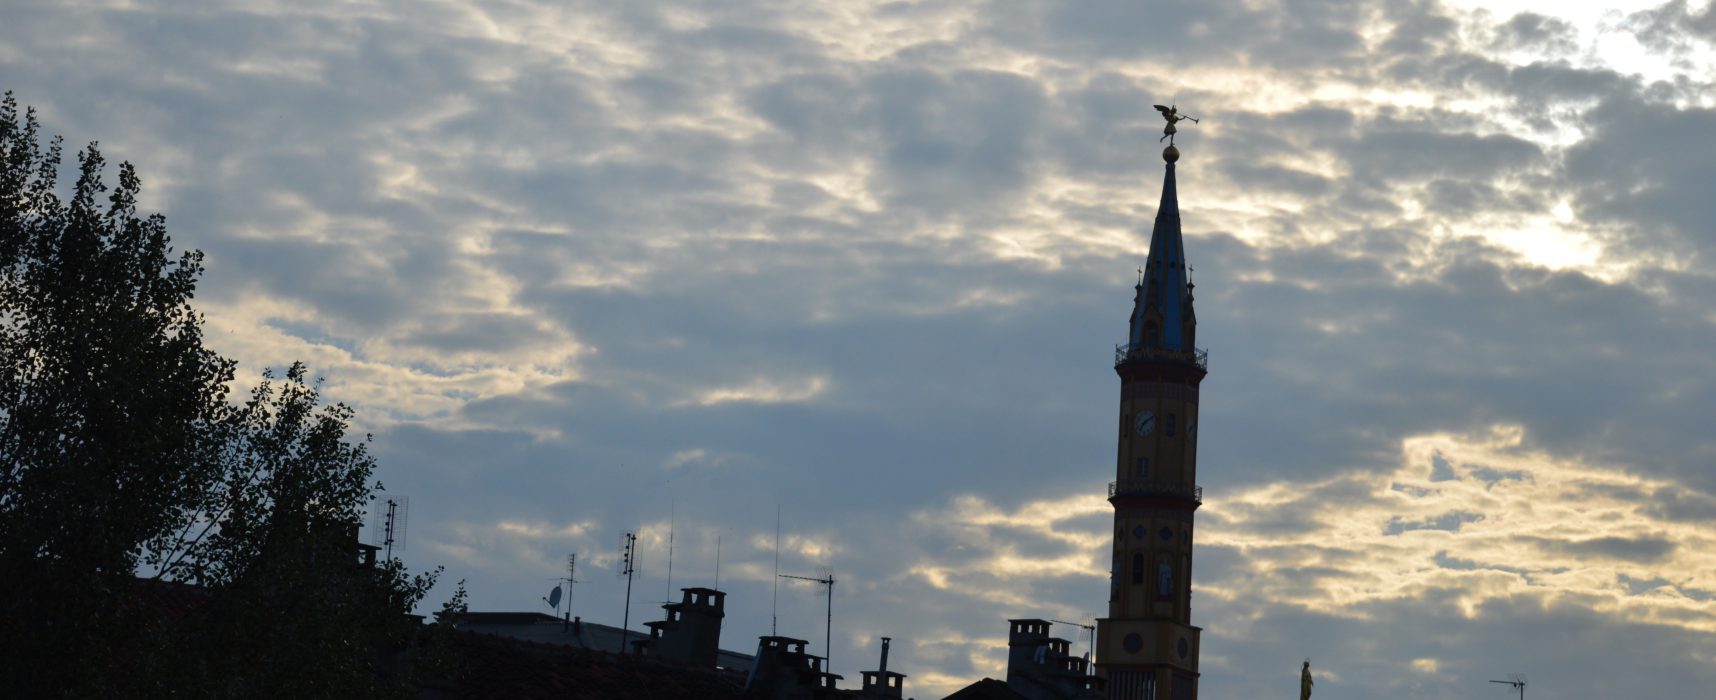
[(529, 654), (987, 689), (491, 666), (1147, 648), (785, 671), (540, 628), (1042, 667)]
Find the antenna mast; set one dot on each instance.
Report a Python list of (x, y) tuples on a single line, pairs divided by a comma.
[(672, 518), (828, 626), (571, 579), (389, 525), (775, 603), (553, 597), (1516, 681), (628, 559), (387, 542)]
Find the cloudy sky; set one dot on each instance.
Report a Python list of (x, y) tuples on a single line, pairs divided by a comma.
[(591, 267)]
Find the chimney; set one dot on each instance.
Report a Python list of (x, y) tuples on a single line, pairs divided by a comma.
[(1040, 666), (691, 633), (882, 683), (783, 671), (1027, 642)]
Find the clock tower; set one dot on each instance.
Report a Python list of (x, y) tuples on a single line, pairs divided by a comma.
[(1146, 647)]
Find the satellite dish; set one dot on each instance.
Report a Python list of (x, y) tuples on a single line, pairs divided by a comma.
[(554, 598)]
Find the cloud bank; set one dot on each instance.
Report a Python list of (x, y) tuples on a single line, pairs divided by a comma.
[(588, 267)]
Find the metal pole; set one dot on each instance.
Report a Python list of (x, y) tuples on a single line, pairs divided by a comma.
[(626, 623), (1091, 669), (571, 578), (828, 626), (672, 519), (392, 506), (775, 603)]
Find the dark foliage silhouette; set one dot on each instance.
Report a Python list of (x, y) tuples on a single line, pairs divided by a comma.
[(155, 537)]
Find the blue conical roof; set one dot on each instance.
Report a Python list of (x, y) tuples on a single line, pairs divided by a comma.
[(1163, 293)]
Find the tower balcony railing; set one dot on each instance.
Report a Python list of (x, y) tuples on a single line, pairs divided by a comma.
[(1156, 487), (1126, 352)]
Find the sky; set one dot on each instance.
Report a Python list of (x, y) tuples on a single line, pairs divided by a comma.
[(586, 268)]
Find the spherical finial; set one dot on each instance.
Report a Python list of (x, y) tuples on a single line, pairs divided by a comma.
[(1170, 154)]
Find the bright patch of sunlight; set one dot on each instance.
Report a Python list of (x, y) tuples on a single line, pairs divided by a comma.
[(764, 390)]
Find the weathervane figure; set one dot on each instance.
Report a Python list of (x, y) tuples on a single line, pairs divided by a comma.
[(1172, 114), (1305, 681)]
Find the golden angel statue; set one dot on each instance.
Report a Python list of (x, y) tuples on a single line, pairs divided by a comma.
[(1172, 114)]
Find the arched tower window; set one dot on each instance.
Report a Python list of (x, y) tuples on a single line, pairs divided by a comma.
[(1138, 568), (1114, 576), (1142, 469), (1168, 425)]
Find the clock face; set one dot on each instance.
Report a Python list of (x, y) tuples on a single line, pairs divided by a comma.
[(1184, 648), (1133, 643), (1144, 424), (1192, 428)]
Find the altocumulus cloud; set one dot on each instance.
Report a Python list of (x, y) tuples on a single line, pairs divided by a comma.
[(590, 267)]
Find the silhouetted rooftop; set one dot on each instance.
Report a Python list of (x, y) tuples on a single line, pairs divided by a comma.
[(493, 666), (547, 629), (986, 689)]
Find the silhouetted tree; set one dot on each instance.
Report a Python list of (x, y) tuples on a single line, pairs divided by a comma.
[(108, 403), (119, 449), (292, 612)]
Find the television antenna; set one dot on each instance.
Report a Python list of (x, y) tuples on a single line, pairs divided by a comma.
[(827, 579), (775, 602), (1516, 681), (628, 566), (553, 598), (1089, 651), (672, 519), (389, 525)]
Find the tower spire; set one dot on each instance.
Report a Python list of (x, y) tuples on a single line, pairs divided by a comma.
[(1162, 316)]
